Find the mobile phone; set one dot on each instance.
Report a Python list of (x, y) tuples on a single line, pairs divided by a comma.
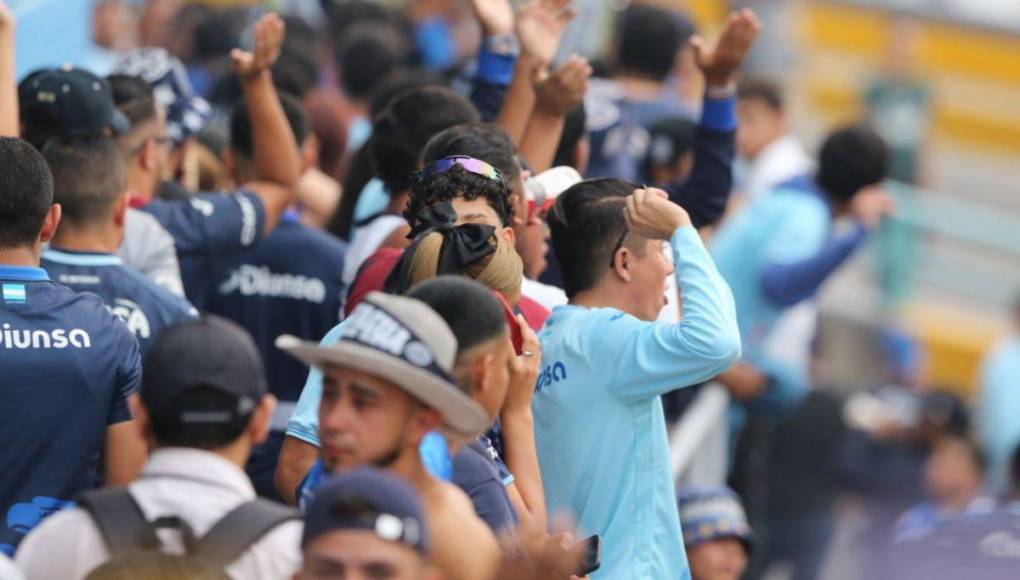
[(592, 556)]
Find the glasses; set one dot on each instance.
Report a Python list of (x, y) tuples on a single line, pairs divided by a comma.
[(476, 166)]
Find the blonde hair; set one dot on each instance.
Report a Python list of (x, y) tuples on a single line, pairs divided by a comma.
[(502, 270)]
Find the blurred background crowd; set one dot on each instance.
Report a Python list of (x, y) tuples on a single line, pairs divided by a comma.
[(913, 410)]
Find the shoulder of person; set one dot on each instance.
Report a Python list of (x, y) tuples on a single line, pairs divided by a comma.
[(471, 468)]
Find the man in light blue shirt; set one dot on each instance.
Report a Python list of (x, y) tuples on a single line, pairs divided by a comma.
[(599, 423), (999, 406), (778, 251)]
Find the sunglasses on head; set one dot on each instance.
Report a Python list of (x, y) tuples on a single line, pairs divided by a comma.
[(476, 166)]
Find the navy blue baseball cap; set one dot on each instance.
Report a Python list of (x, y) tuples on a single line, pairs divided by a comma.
[(712, 513), (69, 102), (372, 500), (186, 111)]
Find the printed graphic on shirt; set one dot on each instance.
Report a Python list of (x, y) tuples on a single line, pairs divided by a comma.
[(13, 338), (251, 280), (22, 517), (133, 316), (553, 373), (14, 293)]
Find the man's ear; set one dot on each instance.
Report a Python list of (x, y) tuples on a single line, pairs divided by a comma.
[(147, 155), (481, 370), (422, 422), (509, 235), (621, 262), (120, 209), (258, 427), (50, 223)]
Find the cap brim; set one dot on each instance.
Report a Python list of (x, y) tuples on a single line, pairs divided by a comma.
[(460, 413)]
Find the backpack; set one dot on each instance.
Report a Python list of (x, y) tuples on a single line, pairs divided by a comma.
[(126, 531)]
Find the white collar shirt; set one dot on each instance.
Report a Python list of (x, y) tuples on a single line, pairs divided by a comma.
[(197, 486)]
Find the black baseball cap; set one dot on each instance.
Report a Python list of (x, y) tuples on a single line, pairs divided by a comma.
[(368, 499), (69, 102), (208, 353)]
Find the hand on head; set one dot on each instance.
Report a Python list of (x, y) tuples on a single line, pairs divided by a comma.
[(650, 214)]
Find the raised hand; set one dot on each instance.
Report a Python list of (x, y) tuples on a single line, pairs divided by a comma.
[(6, 18), (540, 25), (870, 205), (650, 214), (562, 91), (269, 32), (719, 61), (496, 17)]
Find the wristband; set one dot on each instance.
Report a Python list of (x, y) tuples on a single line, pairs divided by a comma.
[(726, 91), (503, 45)]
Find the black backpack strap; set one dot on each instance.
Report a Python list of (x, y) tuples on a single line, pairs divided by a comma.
[(238, 530), (120, 520)]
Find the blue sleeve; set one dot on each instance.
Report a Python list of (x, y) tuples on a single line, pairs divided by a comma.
[(304, 423), (129, 374), (705, 193), (492, 78), (789, 283), (655, 358), (216, 224), (435, 44), (488, 495)]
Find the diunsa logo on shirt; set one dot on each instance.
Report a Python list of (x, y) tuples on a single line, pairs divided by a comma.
[(251, 280), (13, 338)]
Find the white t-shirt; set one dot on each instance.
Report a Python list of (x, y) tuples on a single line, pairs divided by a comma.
[(366, 241)]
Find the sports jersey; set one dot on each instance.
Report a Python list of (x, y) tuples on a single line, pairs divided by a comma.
[(288, 283), (600, 430), (143, 306), (206, 228), (69, 367), (480, 473)]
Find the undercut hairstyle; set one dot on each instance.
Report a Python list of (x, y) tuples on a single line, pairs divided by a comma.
[(458, 182), (133, 97), (169, 431), (469, 308), (851, 158), (27, 193), (649, 39), (399, 133), (586, 223), (763, 90), (574, 129), (88, 177), (241, 131)]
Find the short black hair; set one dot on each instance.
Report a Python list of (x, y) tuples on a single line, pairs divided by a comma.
[(240, 124), (88, 177), (27, 193), (367, 56), (399, 133), (761, 89), (348, 14), (574, 129), (649, 39), (469, 308), (133, 97), (668, 140), (458, 182), (586, 222), (400, 82), (168, 430), (851, 158)]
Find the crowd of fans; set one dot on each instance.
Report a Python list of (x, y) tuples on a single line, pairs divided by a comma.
[(371, 292)]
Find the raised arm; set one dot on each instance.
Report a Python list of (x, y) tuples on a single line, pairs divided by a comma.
[(705, 193), (277, 159), (785, 283), (539, 27), (518, 426), (9, 121), (653, 357), (560, 93)]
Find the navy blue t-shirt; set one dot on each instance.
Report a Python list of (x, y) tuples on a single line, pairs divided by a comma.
[(480, 473), (141, 304), (289, 283), (206, 228), (68, 368)]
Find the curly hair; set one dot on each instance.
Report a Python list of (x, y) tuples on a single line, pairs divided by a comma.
[(458, 182)]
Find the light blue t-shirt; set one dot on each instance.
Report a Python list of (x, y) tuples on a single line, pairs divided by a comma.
[(599, 425), (998, 409), (373, 199), (786, 226)]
